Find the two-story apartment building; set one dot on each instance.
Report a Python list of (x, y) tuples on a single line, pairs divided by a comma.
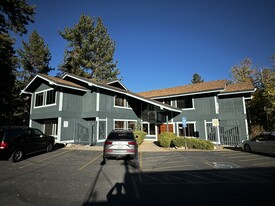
[(80, 110)]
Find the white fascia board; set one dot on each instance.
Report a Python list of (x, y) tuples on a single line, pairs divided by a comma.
[(127, 94), (187, 94), (23, 90), (62, 85), (119, 83), (240, 92), (51, 83), (154, 103)]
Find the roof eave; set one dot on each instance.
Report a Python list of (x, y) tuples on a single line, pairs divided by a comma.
[(187, 94), (237, 92), (117, 90), (51, 83)]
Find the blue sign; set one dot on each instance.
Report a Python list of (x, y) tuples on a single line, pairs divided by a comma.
[(184, 122)]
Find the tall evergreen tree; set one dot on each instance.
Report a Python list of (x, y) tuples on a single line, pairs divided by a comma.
[(14, 16), (34, 57), (196, 79), (7, 65), (90, 50)]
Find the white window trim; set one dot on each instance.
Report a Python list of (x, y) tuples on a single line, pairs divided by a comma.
[(244, 107), (187, 122), (60, 108), (216, 105), (44, 98), (192, 108), (156, 129), (59, 122), (123, 120), (97, 128), (97, 100), (122, 107)]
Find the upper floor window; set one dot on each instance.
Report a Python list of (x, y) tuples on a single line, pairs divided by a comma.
[(185, 102), (45, 98), (121, 101), (165, 101)]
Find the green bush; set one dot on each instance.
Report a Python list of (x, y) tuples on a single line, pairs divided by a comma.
[(140, 136), (165, 139), (193, 143)]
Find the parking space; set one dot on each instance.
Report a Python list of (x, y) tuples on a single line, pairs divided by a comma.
[(80, 177)]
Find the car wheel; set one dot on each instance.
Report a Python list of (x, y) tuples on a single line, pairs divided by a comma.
[(17, 155), (247, 148), (50, 147)]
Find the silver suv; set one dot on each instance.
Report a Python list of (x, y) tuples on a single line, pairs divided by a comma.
[(120, 144)]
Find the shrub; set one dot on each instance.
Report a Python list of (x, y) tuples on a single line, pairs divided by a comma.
[(140, 136), (193, 143), (166, 138)]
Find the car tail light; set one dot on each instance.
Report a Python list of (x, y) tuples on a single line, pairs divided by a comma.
[(3, 145), (130, 150), (132, 143), (108, 142)]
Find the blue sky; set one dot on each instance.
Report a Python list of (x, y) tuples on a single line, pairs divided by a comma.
[(162, 43)]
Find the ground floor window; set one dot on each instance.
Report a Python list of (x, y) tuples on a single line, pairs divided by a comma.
[(51, 127), (125, 124), (149, 128), (189, 130)]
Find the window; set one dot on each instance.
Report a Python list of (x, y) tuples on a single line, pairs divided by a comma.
[(189, 130), (149, 128), (125, 124), (45, 98), (39, 99), (185, 102), (50, 97), (37, 133), (120, 100), (51, 128)]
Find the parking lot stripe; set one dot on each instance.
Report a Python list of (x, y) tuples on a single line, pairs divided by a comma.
[(255, 159), (45, 159), (163, 168), (140, 161), (81, 168), (264, 163)]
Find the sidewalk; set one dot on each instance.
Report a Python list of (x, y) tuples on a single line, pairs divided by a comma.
[(151, 146)]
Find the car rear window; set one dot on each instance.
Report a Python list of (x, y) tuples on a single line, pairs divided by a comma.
[(16, 132), (124, 135)]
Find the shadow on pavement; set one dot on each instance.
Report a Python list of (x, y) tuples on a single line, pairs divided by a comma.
[(253, 186)]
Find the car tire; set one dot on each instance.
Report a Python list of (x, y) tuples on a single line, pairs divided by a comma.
[(17, 155), (247, 148), (50, 147)]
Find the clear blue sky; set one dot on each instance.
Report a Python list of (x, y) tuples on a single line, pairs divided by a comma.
[(162, 43)]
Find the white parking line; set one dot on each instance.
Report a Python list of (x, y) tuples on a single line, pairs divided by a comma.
[(81, 168)]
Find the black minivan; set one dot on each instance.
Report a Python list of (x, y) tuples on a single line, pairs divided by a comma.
[(17, 141)]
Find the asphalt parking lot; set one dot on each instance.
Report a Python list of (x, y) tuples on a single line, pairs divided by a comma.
[(79, 177)]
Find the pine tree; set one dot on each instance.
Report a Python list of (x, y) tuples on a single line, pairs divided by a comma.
[(90, 50), (34, 58), (14, 16), (7, 65), (196, 79)]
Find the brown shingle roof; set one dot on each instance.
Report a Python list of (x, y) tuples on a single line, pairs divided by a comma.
[(199, 87), (61, 81), (246, 86), (191, 88)]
